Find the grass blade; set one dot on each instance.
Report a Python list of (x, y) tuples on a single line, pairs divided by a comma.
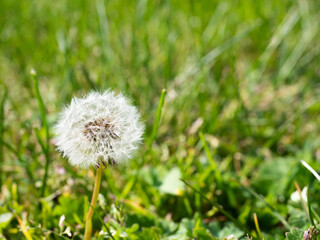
[(289, 21), (38, 135), (41, 105), (104, 28), (107, 228), (3, 99), (158, 117), (24, 228), (134, 178), (310, 169), (297, 53), (309, 207), (256, 223), (45, 147), (287, 24), (210, 158), (216, 52)]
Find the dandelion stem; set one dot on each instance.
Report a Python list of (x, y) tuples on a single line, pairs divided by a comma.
[(88, 229)]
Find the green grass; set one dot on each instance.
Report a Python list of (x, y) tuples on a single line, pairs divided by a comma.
[(224, 142)]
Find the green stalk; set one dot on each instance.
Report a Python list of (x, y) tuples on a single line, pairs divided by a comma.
[(45, 146), (1, 132), (214, 166), (157, 119), (88, 229)]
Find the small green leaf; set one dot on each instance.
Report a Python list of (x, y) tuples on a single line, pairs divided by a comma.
[(230, 231), (5, 218), (172, 183)]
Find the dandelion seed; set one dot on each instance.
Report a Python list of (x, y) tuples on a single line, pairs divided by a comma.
[(100, 126)]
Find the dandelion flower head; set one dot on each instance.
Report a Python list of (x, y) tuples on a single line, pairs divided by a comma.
[(100, 126)]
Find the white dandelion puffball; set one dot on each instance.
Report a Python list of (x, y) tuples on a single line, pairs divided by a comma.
[(100, 126)]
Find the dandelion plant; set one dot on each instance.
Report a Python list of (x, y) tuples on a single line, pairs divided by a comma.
[(98, 130)]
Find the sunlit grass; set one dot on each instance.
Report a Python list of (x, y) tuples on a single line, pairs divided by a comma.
[(240, 110)]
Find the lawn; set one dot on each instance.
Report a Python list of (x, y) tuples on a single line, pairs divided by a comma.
[(229, 94)]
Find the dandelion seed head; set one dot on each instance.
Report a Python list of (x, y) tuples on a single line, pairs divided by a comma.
[(99, 126)]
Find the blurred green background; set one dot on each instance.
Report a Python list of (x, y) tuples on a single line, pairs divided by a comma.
[(242, 108)]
